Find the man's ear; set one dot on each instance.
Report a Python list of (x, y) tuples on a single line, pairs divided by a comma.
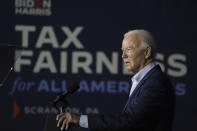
[(148, 52)]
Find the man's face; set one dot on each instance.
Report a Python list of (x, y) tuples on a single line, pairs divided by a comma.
[(133, 54)]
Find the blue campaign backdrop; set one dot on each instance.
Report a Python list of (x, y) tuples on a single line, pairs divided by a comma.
[(62, 42)]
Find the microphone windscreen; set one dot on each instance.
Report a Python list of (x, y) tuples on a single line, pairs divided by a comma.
[(73, 87)]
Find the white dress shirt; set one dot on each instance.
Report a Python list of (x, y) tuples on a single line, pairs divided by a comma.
[(140, 75)]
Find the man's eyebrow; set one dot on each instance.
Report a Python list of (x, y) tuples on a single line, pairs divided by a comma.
[(126, 48)]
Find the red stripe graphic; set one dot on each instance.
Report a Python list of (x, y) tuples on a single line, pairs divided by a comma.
[(38, 3)]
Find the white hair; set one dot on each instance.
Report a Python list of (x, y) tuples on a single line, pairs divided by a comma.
[(146, 39)]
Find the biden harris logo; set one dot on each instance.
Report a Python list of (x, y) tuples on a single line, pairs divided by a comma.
[(33, 7)]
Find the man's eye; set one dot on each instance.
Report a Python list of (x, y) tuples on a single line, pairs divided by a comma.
[(129, 49)]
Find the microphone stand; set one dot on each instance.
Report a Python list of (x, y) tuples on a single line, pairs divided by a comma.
[(61, 101), (60, 104)]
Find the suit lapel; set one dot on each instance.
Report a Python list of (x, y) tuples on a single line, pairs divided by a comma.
[(156, 68)]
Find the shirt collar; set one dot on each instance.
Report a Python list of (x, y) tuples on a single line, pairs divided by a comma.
[(140, 74)]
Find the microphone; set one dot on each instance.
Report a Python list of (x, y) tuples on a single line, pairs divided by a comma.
[(71, 89)]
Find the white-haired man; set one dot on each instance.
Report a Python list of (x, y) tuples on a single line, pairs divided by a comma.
[(150, 106)]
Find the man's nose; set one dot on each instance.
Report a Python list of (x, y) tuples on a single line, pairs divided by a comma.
[(123, 54)]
